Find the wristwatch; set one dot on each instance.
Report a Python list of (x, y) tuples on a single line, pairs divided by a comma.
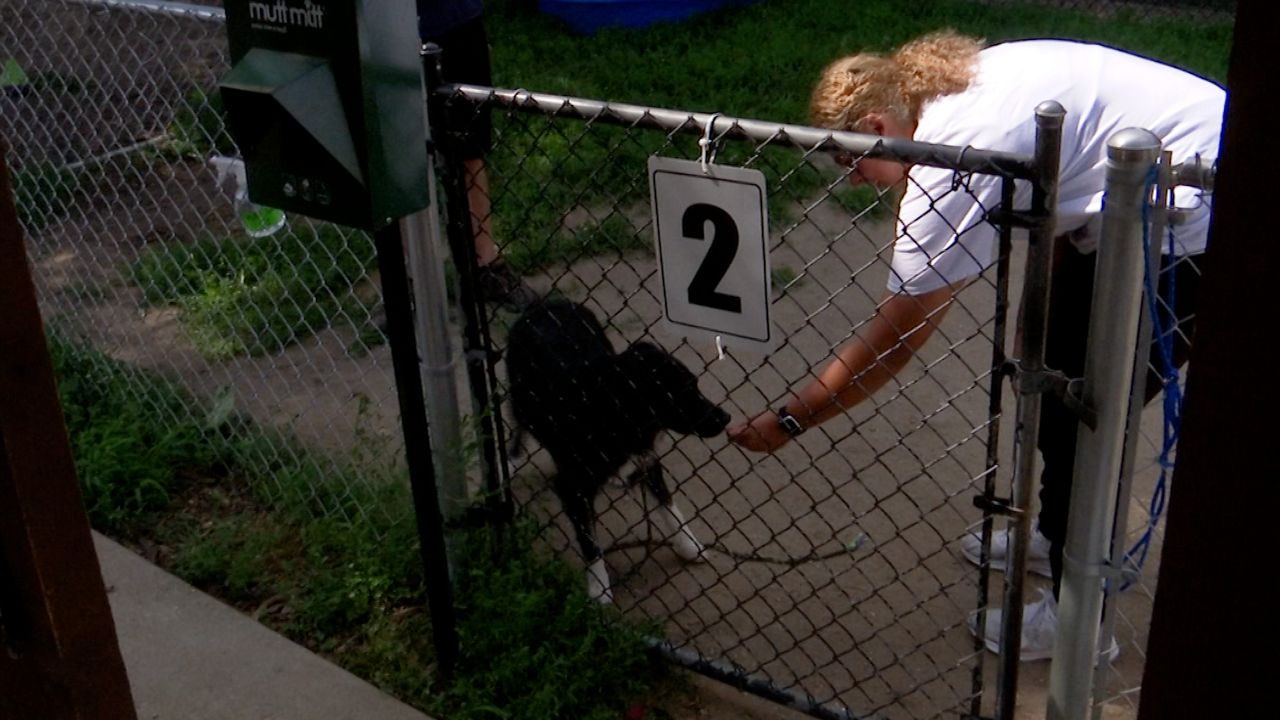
[(788, 422)]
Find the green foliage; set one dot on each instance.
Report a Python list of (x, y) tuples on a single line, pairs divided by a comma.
[(134, 438), (331, 559), (613, 234), (199, 128), (534, 645), (863, 199), (545, 171), (234, 556), (243, 295), (761, 61), (781, 277), (43, 194), (12, 75)]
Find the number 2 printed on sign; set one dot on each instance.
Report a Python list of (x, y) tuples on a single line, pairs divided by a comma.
[(724, 247)]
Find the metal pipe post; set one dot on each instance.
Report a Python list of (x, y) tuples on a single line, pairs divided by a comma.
[(1109, 366), (439, 364), (1133, 433), (1035, 318), (417, 443)]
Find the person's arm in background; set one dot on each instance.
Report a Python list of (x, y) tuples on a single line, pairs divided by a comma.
[(901, 325)]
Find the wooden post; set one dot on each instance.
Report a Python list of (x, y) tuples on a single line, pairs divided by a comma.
[(58, 652), (1209, 655)]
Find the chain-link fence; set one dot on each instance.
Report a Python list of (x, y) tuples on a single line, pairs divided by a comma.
[(834, 578)]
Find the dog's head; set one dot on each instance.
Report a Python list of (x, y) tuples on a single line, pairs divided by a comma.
[(671, 391)]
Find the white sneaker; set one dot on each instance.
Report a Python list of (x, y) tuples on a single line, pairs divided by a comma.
[(1037, 554), (1039, 629)]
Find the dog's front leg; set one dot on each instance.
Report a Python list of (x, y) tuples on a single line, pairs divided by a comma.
[(667, 515), (582, 515)]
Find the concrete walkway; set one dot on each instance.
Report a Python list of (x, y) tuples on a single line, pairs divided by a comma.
[(190, 657)]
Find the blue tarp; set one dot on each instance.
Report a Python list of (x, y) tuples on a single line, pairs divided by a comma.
[(588, 16)]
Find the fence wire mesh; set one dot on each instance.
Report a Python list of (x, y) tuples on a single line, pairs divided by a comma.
[(834, 569), (140, 254), (1119, 681)]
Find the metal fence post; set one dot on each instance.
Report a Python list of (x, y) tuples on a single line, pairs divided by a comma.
[(1035, 314), (1133, 433), (439, 366), (417, 443), (1109, 367)]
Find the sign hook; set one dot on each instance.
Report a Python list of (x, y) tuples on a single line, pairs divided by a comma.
[(706, 142)]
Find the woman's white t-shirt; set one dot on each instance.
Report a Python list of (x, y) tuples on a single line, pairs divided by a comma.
[(943, 235)]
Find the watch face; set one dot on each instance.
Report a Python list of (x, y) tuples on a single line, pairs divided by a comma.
[(789, 423)]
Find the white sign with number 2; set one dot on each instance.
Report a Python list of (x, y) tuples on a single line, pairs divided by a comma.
[(711, 228)]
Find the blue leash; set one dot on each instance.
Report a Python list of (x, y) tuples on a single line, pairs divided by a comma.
[(1163, 336)]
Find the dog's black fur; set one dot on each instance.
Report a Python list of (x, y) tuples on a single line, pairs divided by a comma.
[(594, 409)]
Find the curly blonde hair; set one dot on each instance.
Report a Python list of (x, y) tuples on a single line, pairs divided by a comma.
[(899, 84)]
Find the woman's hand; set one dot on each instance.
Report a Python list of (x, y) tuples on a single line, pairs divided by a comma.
[(761, 434)]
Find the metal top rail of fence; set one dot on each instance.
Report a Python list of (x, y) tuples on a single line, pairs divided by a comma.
[(720, 127), (177, 9)]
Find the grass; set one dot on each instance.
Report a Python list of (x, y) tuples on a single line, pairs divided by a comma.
[(44, 193), (241, 295), (755, 62), (760, 61), (525, 613), (134, 437), (327, 554), (199, 129)]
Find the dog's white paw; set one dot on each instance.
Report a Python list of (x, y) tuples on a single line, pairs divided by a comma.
[(598, 586), (687, 546), (623, 477), (683, 541)]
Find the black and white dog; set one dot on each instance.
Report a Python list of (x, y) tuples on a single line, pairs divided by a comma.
[(598, 413)]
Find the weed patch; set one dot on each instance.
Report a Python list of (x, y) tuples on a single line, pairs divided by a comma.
[(134, 437), (332, 562), (241, 295), (199, 129), (43, 194), (534, 645)]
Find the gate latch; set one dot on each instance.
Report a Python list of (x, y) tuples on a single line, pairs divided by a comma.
[(1068, 390)]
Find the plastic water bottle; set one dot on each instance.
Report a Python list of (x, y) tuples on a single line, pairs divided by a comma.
[(257, 220)]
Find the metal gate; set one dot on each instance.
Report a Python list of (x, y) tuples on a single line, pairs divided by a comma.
[(833, 582)]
